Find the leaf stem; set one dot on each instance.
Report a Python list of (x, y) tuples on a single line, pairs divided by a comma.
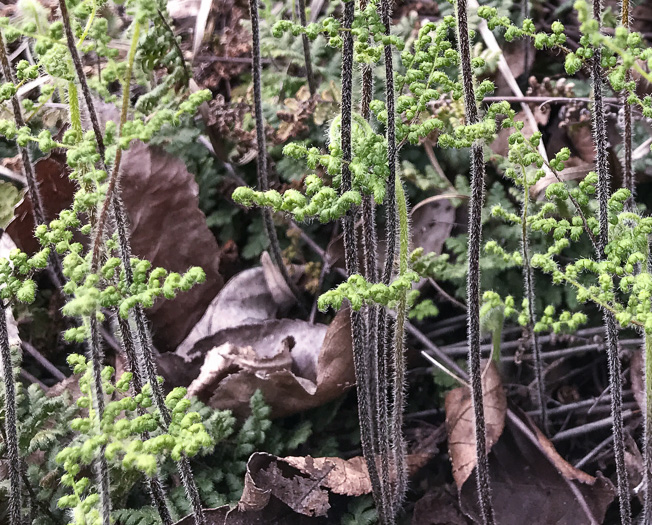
[(473, 279), (263, 180), (15, 507), (611, 330)]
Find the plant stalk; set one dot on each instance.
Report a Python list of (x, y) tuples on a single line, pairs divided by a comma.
[(15, 507), (125, 252), (629, 180), (312, 85), (263, 180), (529, 289), (647, 434), (360, 355), (611, 329), (473, 278)]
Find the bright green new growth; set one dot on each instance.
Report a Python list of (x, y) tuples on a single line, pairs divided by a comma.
[(119, 434)]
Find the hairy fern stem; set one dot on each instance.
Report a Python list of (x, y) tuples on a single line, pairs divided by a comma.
[(473, 278), (263, 180), (96, 356), (398, 355), (146, 354), (361, 355), (647, 434), (155, 486), (28, 170), (11, 431), (629, 180), (390, 377), (310, 76), (529, 289), (611, 329)]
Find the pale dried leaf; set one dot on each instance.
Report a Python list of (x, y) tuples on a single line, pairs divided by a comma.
[(432, 221), (346, 477), (461, 425), (297, 365), (257, 294)]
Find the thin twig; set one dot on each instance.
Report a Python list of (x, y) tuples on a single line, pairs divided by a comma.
[(312, 85)]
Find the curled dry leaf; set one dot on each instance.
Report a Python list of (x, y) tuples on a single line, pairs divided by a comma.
[(292, 490), (257, 294), (461, 425), (297, 365), (530, 481)]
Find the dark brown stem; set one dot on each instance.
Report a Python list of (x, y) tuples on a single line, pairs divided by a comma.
[(360, 355), (312, 85), (473, 280), (96, 357), (611, 330), (28, 171), (13, 454), (154, 483), (263, 180), (125, 252)]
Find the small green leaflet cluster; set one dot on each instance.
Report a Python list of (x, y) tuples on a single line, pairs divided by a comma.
[(119, 434), (367, 28), (622, 52), (368, 168), (359, 292)]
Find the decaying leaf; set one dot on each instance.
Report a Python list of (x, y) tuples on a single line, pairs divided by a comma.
[(438, 508), (461, 425), (52, 175), (637, 376), (296, 364), (432, 221), (292, 490), (257, 294), (532, 483), (168, 228)]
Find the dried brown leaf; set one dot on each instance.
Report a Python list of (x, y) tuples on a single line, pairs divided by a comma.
[(257, 294), (297, 365), (167, 226), (432, 222), (461, 425), (531, 483)]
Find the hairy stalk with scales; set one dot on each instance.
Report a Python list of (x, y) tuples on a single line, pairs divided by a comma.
[(361, 355), (611, 330), (629, 181), (377, 358), (310, 76), (529, 290), (263, 180), (393, 209), (473, 282), (11, 431), (28, 170), (112, 197)]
